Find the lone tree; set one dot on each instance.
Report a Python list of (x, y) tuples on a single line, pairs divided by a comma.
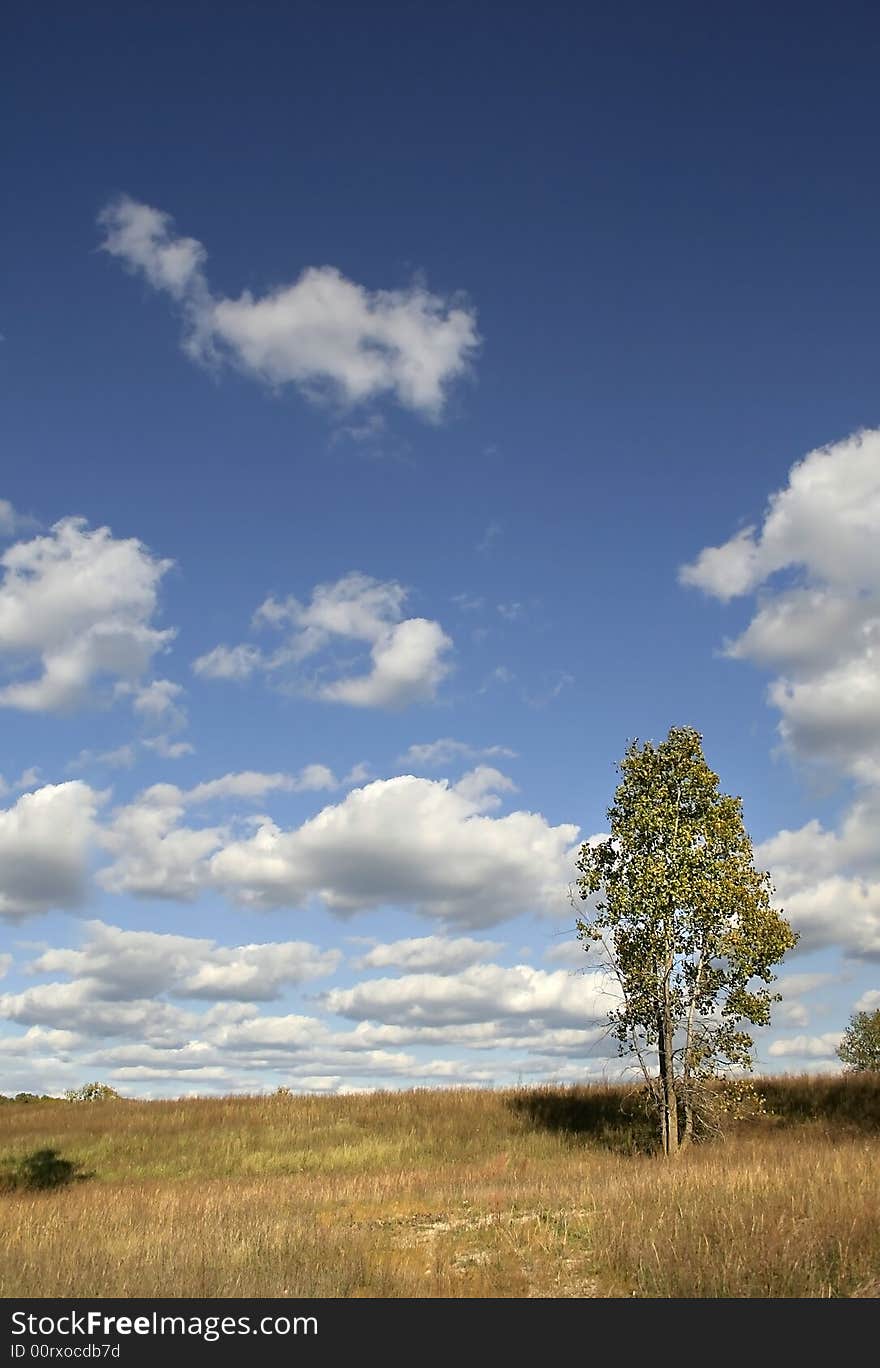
[(860, 1047), (684, 922)]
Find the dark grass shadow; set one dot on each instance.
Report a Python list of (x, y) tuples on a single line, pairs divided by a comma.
[(845, 1102), (42, 1170), (611, 1118)]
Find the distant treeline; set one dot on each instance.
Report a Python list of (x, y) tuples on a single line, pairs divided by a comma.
[(89, 1092)]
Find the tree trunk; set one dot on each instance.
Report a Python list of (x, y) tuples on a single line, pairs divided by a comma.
[(688, 1133), (668, 1099)]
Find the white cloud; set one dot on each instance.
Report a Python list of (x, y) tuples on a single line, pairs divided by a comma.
[(154, 856), (405, 841), (253, 784), (37, 1039), (483, 992), (837, 911), (12, 522), (121, 757), (111, 1020), (77, 604), (799, 985), (323, 332), (168, 749), (66, 1005), (806, 1047), (157, 702), (825, 520), (44, 843), (829, 882), (121, 965), (229, 662), (28, 779), (141, 237), (5, 965), (407, 667), (436, 754), (869, 1002), (437, 954), (483, 786), (822, 633), (407, 657), (569, 952)]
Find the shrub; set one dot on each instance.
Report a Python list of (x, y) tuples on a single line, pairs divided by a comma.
[(93, 1092)]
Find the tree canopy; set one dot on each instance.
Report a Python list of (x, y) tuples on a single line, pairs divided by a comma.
[(860, 1047), (685, 922)]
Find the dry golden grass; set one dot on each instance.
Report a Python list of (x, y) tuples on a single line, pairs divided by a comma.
[(544, 1193)]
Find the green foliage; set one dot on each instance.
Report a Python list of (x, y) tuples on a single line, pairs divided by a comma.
[(860, 1048), (27, 1097), (685, 923), (40, 1170), (93, 1092)]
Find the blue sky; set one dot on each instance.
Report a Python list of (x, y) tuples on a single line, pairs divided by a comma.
[(377, 384)]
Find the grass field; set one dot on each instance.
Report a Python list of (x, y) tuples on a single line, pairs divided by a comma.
[(536, 1193)]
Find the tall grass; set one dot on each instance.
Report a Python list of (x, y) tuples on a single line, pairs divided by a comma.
[(527, 1192)]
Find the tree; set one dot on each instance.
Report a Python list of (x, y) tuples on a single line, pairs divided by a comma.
[(685, 924), (860, 1047), (93, 1092)]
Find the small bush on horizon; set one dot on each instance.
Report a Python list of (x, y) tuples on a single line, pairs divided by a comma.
[(93, 1092)]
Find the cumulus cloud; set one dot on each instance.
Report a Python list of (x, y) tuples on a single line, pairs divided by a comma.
[(483, 787), (157, 855), (120, 965), (322, 333), (412, 842), (829, 881), (65, 1005), (407, 656), (806, 1047), (406, 841), (822, 632), (44, 844), (407, 667), (77, 605), (569, 952), (112, 1011), (436, 954), (483, 992), (815, 567)]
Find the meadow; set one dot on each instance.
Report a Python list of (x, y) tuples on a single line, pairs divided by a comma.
[(547, 1192)]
